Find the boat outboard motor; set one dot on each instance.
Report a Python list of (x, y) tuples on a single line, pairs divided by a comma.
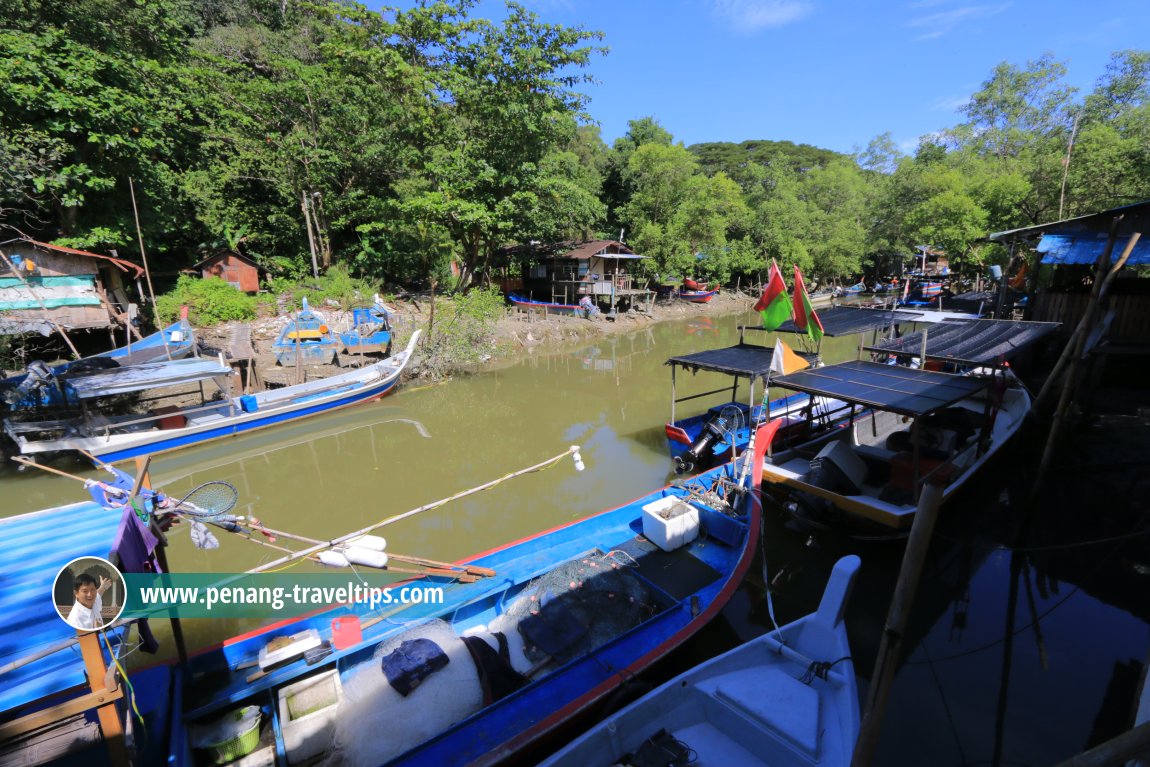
[(714, 429), (37, 375)]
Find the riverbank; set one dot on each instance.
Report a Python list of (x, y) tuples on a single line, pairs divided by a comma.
[(509, 337)]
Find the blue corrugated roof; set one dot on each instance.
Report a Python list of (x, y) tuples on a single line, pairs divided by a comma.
[(35, 547), (1086, 248)]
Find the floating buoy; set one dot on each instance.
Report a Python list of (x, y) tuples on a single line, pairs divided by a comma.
[(333, 559), (373, 542), (366, 557)]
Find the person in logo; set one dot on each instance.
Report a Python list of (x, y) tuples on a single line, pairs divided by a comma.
[(86, 613)]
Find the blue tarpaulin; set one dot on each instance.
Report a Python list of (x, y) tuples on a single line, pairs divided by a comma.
[(1086, 248)]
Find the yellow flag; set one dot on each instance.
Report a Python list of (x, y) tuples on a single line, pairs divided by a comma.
[(785, 361)]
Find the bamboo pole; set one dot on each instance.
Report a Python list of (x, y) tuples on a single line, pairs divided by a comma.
[(1116, 751), (147, 271), (901, 602), (427, 507)]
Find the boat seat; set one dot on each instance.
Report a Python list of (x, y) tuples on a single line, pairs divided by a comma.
[(777, 701), (838, 469)]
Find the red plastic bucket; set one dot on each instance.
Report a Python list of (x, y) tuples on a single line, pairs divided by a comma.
[(345, 632)]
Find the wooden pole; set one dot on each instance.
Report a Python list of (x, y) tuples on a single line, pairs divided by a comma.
[(111, 728), (901, 602), (147, 271), (47, 317), (144, 480), (1116, 751), (310, 236)]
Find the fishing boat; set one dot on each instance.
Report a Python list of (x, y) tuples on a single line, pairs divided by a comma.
[(578, 610), (369, 331), (305, 339), (116, 437), (724, 430), (38, 387), (908, 425), (859, 287), (786, 699), (923, 293), (549, 306), (698, 296)]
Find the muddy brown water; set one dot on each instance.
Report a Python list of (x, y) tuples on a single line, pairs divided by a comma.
[(966, 693)]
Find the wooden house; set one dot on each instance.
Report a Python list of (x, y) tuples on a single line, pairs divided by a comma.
[(44, 287), (603, 269), (234, 268)]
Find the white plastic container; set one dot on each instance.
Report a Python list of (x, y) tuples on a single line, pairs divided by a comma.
[(300, 643), (670, 522), (307, 710)]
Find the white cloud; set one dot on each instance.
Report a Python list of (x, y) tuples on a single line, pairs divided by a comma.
[(936, 25), (948, 103), (754, 15)]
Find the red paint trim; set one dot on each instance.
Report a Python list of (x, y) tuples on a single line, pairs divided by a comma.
[(676, 434)]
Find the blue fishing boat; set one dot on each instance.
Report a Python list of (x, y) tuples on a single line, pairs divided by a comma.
[(305, 339), (549, 306), (786, 699), (40, 386), (116, 437), (857, 288), (370, 331), (578, 610)]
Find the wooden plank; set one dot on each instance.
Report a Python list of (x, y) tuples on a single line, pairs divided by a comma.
[(59, 712)]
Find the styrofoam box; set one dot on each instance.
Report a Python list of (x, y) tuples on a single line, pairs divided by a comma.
[(670, 522), (309, 735), (300, 643)]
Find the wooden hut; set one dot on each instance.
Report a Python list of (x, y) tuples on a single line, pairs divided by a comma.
[(44, 287), (234, 268), (602, 269)]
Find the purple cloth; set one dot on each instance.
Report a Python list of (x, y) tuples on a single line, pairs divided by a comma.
[(135, 545)]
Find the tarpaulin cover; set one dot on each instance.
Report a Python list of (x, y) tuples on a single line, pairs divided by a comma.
[(742, 359), (1087, 248), (148, 376), (893, 388), (973, 342)]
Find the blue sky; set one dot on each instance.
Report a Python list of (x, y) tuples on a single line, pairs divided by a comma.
[(831, 74)]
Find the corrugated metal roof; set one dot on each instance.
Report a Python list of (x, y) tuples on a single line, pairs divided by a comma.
[(588, 249), (36, 546), (845, 320), (124, 266), (892, 388), (1086, 248), (972, 342)]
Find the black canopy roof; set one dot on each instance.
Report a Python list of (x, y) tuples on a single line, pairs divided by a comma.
[(970, 342), (845, 320), (742, 359), (892, 388)]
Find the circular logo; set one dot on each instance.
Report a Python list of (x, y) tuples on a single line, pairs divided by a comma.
[(89, 593)]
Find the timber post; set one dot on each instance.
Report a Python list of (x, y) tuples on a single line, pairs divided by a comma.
[(144, 480), (902, 600), (1116, 751), (106, 693)]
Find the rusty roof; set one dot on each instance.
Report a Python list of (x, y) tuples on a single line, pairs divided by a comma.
[(595, 247), (123, 265)]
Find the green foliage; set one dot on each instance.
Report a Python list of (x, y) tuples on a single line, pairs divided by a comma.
[(337, 285), (464, 330), (209, 301)]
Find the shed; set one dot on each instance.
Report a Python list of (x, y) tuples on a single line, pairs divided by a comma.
[(43, 286), (234, 268), (567, 271)]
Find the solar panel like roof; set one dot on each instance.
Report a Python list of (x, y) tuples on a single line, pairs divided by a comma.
[(972, 342), (152, 375), (892, 388), (743, 359), (845, 320)]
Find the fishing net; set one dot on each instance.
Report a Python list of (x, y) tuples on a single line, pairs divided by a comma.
[(210, 499), (579, 606)]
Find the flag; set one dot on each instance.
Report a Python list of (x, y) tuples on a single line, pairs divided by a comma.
[(785, 361), (773, 305), (805, 317)]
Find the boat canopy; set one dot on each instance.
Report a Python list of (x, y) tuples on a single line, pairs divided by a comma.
[(892, 388), (971, 342), (740, 360), (152, 375), (846, 320)]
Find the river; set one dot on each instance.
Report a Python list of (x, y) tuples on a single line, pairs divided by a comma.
[(967, 693)]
